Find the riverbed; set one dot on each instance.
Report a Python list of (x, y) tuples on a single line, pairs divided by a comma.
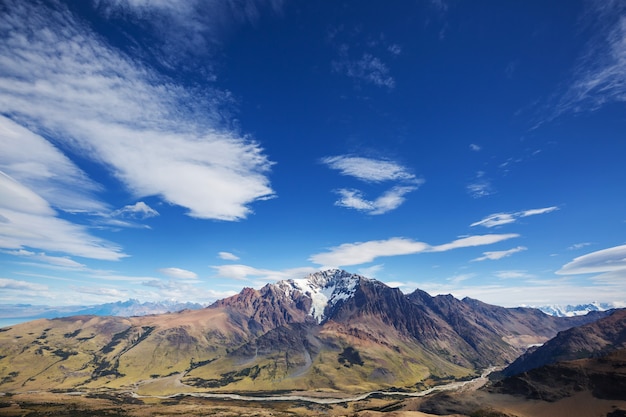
[(329, 400)]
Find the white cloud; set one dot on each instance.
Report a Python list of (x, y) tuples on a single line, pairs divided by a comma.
[(246, 273), (16, 197), (373, 171), (138, 210), (156, 137), (534, 212), (472, 241), (600, 74), (388, 201), (494, 220), (513, 274), (537, 293), (368, 169), (457, 279), (11, 284), (34, 162), (354, 199), (29, 222), (227, 256), (61, 261), (577, 246), (158, 290), (178, 273), (475, 147), (113, 294), (499, 219), (363, 252), (495, 255), (610, 260), (480, 186)]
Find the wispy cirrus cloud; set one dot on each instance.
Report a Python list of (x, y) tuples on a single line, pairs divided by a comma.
[(480, 186), (580, 245), (500, 219), (364, 252), (368, 68), (57, 261), (363, 58), (37, 179), (106, 292), (371, 271), (12, 284), (178, 273), (59, 77), (371, 170), (28, 221), (495, 255), (470, 241), (182, 31), (513, 274), (40, 166), (599, 76), (246, 273)]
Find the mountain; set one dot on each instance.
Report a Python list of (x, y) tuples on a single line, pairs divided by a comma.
[(589, 341), (590, 358), (604, 377), (332, 330), (578, 309), (11, 314)]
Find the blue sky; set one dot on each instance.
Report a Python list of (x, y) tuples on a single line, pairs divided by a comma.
[(184, 150)]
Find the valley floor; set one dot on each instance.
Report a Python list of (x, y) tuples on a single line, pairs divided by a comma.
[(464, 403)]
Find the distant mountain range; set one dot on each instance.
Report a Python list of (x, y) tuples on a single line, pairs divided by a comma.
[(11, 314), (331, 330), (578, 309)]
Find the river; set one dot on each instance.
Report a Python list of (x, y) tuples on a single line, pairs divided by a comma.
[(326, 400)]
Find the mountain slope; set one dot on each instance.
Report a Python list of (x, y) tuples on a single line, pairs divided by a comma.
[(592, 340), (604, 377), (331, 330)]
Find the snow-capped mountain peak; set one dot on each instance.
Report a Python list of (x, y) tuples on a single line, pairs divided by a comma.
[(325, 288), (578, 309)]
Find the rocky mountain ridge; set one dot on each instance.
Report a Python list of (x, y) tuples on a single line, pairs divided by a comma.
[(589, 358), (592, 340), (331, 330)]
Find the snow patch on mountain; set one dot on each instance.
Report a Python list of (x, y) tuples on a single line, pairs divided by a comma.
[(325, 289), (578, 309)]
